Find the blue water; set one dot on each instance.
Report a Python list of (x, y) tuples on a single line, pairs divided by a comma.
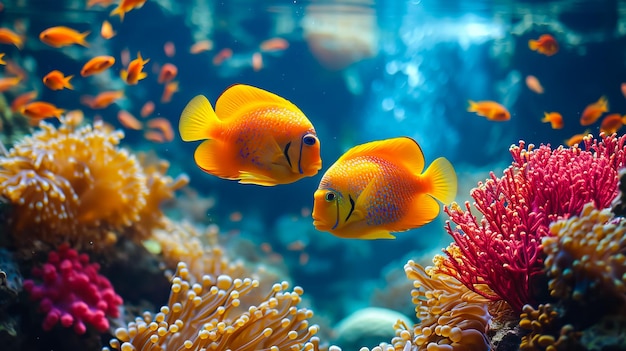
[(361, 71)]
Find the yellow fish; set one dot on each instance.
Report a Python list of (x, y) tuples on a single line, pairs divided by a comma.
[(254, 136), (379, 187)]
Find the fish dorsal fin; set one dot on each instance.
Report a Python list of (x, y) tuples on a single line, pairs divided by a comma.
[(402, 150), (240, 97)]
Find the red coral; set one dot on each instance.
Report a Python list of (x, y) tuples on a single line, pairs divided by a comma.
[(502, 250), (72, 292)]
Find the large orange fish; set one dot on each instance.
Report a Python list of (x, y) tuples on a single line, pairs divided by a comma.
[(593, 111), (254, 136), (381, 187), (491, 110), (546, 44)]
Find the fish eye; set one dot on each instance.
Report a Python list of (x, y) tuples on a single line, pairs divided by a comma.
[(309, 139), (330, 196)]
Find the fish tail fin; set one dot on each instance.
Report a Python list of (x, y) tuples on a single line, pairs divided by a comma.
[(546, 117), (67, 84), (142, 75), (624, 119), (533, 44), (197, 120), (473, 106), (58, 112), (82, 38), (604, 102), (118, 11), (442, 179)]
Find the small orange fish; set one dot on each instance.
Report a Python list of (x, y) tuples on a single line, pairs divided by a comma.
[(257, 61), (201, 46), (576, 139), (147, 109), (254, 136), (492, 110), (128, 120), (169, 48), (546, 44), (14, 69), (533, 84), (23, 99), (56, 80), (74, 117), (97, 65), (126, 6), (623, 88), (380, 187), (61, 36), (8, 36), (106, 30), (168, 73), (2, 61), (612, 123), (135, 73), (274, 44), (164, 126), (222, 56), (102, 100), (593, 111), (154, 136), (39, 110), (168, 91), (102, 3), (8, 83), (555, 119)]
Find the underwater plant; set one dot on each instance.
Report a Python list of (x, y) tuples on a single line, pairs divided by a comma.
[(499, 255)]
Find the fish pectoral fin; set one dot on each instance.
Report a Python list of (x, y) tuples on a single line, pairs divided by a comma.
[(422, 210), (246, 177)]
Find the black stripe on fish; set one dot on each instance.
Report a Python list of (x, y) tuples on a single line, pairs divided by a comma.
[(351, 207), (286, 152)]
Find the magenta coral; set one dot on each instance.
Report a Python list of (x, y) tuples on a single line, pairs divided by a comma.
[(502, 249), (72, 292)]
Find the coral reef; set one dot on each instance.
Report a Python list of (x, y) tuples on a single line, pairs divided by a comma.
[(541, 322), (502, 249), (77, 185), (72, 292), (202, 316)]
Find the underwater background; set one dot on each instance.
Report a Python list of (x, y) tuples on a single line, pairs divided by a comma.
[(103, 217)]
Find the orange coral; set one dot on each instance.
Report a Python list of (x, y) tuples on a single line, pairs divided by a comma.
[(541, 322), (203, 316), (586, 255), (76, 185)]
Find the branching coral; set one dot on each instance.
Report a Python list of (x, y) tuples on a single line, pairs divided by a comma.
[(72, 292), (502, 249), (78, 185), (586, 256), (202, 316)]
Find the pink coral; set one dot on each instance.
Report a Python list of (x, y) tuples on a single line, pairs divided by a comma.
[(72, 292), (499, 255)]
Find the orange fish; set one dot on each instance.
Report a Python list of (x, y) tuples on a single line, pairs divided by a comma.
[(169, 48), (593, 111), (381, 187), (493, 111), (128, 120), (97, 65), (8, 36), (555, 119), (103, 3), (135, 73), (164, 126), (533, 84), (56, 80), (2, 61), (102, 100), (40, 110), (61, 36), (14, 69), (577, 138), (74, 117), (23, 99), (222, 56), (106, 30), (168, 91), (147, 109), (154, 136), (168, 73), (257, 61), (612, 123), (546, 44), (8, 83), (201, 46), (254, 136), (126, 6), (274, 44), (623, 88)]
